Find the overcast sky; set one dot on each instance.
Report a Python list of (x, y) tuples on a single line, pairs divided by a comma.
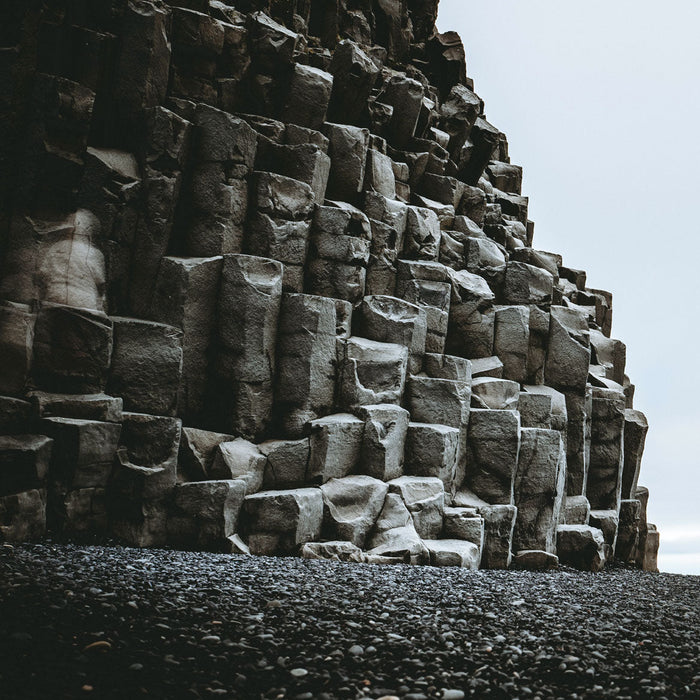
[(600, 104)]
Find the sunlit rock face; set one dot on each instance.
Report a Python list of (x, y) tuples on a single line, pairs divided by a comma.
[(268, 284)]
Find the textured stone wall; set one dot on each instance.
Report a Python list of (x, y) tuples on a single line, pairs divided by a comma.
[(268, 284)]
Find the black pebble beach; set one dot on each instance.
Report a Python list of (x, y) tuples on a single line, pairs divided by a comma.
[(112, 622)]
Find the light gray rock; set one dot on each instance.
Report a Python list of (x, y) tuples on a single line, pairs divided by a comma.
[(493, 444), (579, 408), (422, 237), (607, 521), (453, 553), (379, 175), (487, 367), (335, 446), (395, 535), (281, 197), (610, 354), (371, 372), (534, 560), (433, 451), (526, 284), (351, 507), (146, 365), (333, 551), (635, 433), (277, 522), (456, 369), (499, 523), (581, 546), (484, 257), (495, 394), (463, 524), (390, 320), (287, 463), (577, 510), (405, 95), (306, 357), (569, 352), (424, 498), (558, 413), (538, 345), (604, 485), (511, 340), (383, 440), (239, 459), (539, 489)]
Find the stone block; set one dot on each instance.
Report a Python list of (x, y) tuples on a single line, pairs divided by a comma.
[(394, 534), (556, 400), (465, 555), (424, 497), (23, 516), (487, 367), (239, 459), (464, 524), (568, 355), (405, 95), (422, 235), (609, 353), (348, 151), (206, 513), (308, 97), (505, 176), (277, 522), (635, 433), (390, 320), (272, 45), (281, 197), (383, 440), (16, 346), (72, 350), (534, 560), (581, 546), (146, 365), (495, 394), (604, 485), (223, 138), (249, 302), (24, 462), (185, 297), (433, 450), (355, 74), (81, 512), (371, 372), (83, 452), (336, 445), (526, 284), (493, 447), (607, 521), (306, 357), (511, 340), (287, 463), (383, 255), (456, 369), (379, 174), (99, 407), (628, 530), (15, 415), (333, 551), (197, 451), (499, 523), (539, 489), (351, 506)]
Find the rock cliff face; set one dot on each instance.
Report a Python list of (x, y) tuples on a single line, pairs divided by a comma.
[(268, 284)]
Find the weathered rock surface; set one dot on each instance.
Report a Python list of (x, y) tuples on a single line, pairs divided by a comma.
[(278, 246)]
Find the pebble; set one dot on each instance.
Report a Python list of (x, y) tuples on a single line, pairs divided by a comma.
[(345, 631)]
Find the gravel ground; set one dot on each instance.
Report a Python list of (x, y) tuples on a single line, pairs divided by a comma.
[(111, 622)]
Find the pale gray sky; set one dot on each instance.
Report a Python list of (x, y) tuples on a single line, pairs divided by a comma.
[(601, 107)]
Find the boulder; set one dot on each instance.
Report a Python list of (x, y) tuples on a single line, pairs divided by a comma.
[(534, 560), (351, 506), (422, 236), (371, 372), (335, 444), (493, 446), (607, 521), (308, 96), (453, 553), (581, 546), (146, 365), (394, 534), (206, 513), (287, 463), (277, 522), (577, 510), (386, 426), (433, 451), (495, 394), (333, 551), (539, 489), (487, 367), (197, 452), (456, 369), (511, 340), (635, 433), (239, 459), (463, 524), (425, 499), (499, 522), (526, 284)]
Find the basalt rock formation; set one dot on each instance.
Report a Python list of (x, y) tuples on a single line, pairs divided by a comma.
[(268, 284)]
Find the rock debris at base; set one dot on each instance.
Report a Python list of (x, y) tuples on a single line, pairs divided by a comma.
[(112, 622)]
